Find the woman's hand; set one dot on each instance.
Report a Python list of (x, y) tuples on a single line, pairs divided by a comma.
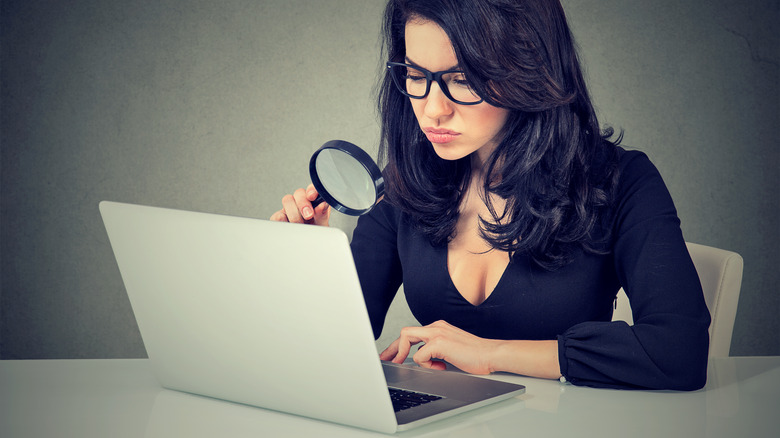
[(444, 342), (297, 208), (472, 354)]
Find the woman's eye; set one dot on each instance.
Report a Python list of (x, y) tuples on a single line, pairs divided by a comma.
[(459, 81), (415, 75), (463, 83)]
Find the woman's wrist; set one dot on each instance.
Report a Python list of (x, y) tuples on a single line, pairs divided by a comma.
[(528, 358)]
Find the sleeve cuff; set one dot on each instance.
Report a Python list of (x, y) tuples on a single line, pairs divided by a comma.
[(563, 363)]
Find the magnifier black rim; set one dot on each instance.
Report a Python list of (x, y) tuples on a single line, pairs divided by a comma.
[(361, 157)]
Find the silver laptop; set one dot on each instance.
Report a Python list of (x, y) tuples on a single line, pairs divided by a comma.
[(271, 315)]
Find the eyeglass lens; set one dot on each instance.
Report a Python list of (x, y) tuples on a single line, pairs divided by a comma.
[(416, 83)]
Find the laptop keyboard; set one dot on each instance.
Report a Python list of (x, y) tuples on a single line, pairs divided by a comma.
[(405, 399)]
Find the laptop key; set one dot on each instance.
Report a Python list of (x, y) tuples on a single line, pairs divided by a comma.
[(405, 399)]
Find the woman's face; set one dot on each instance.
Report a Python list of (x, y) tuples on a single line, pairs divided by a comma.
[(454, 130)]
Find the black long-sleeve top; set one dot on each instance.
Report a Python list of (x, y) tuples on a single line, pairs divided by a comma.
[(667, 346)]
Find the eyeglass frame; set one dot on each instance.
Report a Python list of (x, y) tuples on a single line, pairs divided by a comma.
[(430, 77)]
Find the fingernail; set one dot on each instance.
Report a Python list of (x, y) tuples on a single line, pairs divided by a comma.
[(307, 212)]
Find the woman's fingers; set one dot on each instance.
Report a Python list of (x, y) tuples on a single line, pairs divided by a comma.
[(426, 357), (279, 216), (321, 211), (399, 349), (431, 336), (297, 208), (303, 204), (390, 352), (442, 342)]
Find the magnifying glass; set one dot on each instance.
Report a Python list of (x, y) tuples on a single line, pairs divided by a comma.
[(346, 178)]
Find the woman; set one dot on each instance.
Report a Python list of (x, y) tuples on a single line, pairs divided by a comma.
[(510, 217)]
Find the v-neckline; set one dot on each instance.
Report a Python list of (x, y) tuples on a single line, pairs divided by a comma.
[(446, 256)]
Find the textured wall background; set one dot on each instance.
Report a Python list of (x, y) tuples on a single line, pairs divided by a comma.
[(216, 106)]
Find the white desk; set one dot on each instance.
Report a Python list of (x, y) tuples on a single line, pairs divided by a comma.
[(120, 398)]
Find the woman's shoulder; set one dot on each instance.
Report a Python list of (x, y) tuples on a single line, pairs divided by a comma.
[(633, 160), (635, 168), (641, 191)]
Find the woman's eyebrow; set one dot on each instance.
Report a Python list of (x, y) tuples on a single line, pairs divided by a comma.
[(456, 67)]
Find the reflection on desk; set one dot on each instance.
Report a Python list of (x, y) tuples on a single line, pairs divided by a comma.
[(120, 398)]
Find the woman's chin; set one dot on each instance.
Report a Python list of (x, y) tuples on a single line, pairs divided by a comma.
[(448, 152)]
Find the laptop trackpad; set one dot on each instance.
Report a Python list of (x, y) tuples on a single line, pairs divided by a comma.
[(450, 384), (398, 373)]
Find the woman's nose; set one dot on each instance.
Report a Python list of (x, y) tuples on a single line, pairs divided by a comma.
[(437, 104)]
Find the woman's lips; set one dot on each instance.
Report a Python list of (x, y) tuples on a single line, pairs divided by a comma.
[(440, 135)]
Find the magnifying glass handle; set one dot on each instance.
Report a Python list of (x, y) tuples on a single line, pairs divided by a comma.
[(317, 201)]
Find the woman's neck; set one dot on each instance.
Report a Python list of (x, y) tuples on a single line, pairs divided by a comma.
[(479, 164)]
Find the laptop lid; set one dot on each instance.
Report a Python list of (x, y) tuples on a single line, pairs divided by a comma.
[(257, 312), (267, 314)]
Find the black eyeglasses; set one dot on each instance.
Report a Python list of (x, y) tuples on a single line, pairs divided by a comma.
[(415, 82)]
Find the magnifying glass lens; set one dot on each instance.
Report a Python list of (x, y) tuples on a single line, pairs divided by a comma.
[(346, 177)]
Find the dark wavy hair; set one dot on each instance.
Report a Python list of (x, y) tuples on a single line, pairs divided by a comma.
[(554, 166)]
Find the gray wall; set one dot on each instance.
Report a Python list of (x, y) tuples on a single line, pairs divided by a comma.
[(216, 106)]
